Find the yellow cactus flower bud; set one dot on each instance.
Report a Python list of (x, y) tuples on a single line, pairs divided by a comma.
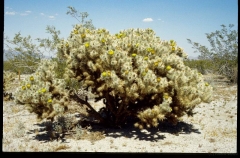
[(31, 78), (134, 54), (158, 79), (87, 44), (206, 84), (43, 90), (83, 35), (145, 58), (168, 68), (103, 40), (49, 101), (28, 85), (110, 52), (126, 72), (120, 34), (172, 43), (137, 45), (67, 45), (144, 73), (23, 87), (149, 49), (156, 64), (153, 51), (173, 48), (75, 31), (104, 74)]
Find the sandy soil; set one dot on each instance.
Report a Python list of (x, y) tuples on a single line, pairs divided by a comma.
[(213, 129)]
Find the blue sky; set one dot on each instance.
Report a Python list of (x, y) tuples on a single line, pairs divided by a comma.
[(170, 19)]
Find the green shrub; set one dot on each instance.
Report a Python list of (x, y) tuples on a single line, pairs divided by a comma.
[(22, 56), (202, 66), (223, 54)]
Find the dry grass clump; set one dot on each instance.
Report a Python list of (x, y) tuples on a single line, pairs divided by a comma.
[(61, 147), (223, 89), (167, 143), (217, 132), (93, 136), (224, 93)]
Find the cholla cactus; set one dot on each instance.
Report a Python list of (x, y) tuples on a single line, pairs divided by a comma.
[(136, 73), (44, 94)]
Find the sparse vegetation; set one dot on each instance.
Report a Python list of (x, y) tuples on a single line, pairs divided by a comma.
[(61, 147), (222, 57), (8, 78)]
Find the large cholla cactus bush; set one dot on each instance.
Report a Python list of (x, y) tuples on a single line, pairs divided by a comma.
[(43, 93), (135, 73)]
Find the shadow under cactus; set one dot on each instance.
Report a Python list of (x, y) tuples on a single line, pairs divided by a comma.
[(127, 130), (151, 134)]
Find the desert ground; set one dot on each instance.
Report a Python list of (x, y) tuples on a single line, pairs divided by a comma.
[(212, 129)]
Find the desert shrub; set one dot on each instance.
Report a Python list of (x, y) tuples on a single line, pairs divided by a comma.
[(82, 15), (7, 66), (229, 69), (202, 66), (135, 73), (223, 52), (8, 78), (62, 125), (22, 55)]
